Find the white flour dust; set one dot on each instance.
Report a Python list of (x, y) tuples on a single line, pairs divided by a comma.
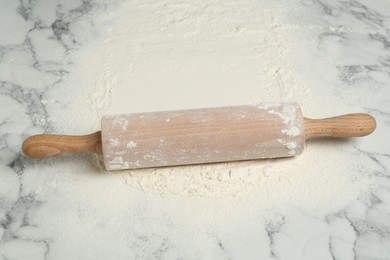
[(161, 56)]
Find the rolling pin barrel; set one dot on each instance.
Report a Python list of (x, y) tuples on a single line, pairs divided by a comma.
[(202, 136)]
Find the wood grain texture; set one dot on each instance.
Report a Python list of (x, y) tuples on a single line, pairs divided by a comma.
[(45, 145), (351, 125), (202, 136)]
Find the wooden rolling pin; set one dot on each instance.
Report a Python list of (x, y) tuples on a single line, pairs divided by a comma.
[(198, 136)]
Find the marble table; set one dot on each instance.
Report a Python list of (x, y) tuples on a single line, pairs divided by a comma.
[(67, 208)]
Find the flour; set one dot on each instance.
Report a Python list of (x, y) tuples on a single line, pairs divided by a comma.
[(150, 60), (292, 131), (292, 146), (131, 145), (114, 142)]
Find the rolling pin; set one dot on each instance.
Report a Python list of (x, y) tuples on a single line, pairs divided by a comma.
[(198, 136)]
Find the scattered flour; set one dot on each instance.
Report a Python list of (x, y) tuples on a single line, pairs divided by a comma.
[(149, 60), (114, 142), (131, 145), (292, 131)]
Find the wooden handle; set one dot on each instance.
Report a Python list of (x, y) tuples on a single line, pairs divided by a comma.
[(44, 146), (352, 125)]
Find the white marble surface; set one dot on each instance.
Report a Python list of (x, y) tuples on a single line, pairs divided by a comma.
[(45, 214)]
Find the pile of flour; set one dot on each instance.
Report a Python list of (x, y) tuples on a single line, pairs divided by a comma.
[(165, 55)]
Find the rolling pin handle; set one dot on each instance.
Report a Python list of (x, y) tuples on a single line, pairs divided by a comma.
[(45, 145), (351, 125)]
